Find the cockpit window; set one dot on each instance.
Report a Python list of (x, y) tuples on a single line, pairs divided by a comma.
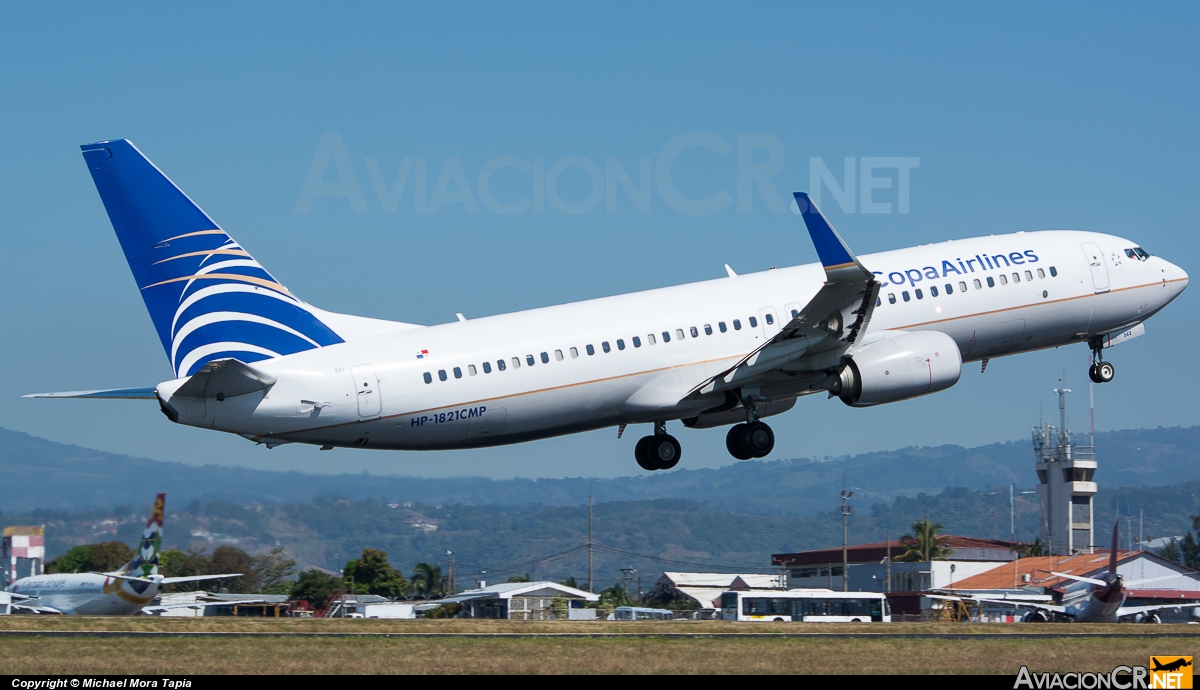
[(1137, 253)]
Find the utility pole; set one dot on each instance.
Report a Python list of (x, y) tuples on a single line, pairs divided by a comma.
[(590, 590), (846, 509), (889, 562), (1141, 526), (450, 576)]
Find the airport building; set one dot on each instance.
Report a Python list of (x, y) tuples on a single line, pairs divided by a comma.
[(1066, 485), (871, 566), (22, 544), (703, 590), (524, 601)]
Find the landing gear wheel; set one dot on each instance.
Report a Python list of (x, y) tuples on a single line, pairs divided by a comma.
[(663, 451), (643, 457), (758, 440), (733, 442), (1092, 374), (1105, 372)]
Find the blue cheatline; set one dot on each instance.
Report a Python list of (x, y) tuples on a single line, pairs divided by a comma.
[(209, 299)]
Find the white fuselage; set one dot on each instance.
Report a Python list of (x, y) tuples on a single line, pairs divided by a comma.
[(85, 594), (373, 392)]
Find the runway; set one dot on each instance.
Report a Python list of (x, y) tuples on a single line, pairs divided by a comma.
[(1065, 634)]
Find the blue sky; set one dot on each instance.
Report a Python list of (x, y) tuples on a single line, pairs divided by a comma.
[(1017, 117)]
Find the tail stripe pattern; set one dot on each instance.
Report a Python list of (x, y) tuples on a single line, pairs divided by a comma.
[(209, 299)]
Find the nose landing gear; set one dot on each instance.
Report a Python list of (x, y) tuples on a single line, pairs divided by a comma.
[(1100, 371), (658, 452)]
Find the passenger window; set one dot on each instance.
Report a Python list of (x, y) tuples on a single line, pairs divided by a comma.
[(721, 325), (1041, 273), (991, 283), (737, 325), (978, 285), (708, 329), (878, 301), (529, 360), (1003, 279), (487, 367), (574, 353), (499, 365), (770, 319), (1028, 275), (904, 294), (666, 336), (606, 346), (620, 344), (679, 333), (428, 377), (558, 355), (590, 350), (962, 286), (933, 291), (545, 358), (516, 362), (795, 313), (695, 332), (1053, 272), (637, 342), (441, 374), (650, 338), (891, 298), (753, 322), (920, 295), (457, 373), (1016, 277), (949, 289), (472, 370)]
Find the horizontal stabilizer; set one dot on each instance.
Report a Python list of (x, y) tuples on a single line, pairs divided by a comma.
[(109, 393), (1090, 580), (225, 378), (194, 578)]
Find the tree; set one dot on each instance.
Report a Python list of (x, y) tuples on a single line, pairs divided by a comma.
[(571, 582), (560, 608), (315, 586), (104, 557), (615, 596), (73, 561), (427, 580), (519, 578), (1037, 547), (924, 543), (1185, 551), (372, 574)]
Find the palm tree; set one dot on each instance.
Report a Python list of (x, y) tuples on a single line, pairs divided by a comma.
[(924, 543), (1037, 547), (571, 582), (427, 579)]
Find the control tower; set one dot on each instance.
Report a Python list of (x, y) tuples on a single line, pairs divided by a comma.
[(1066, 485)]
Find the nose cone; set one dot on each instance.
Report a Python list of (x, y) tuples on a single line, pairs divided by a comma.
[(1176, 277)]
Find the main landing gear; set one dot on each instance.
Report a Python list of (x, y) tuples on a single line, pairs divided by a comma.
[(1100, 371), (658, 452), (754, 439)]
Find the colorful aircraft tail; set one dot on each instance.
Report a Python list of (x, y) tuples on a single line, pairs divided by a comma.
[(145, 561), (209, 299)]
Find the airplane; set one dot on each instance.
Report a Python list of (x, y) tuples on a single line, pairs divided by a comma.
[(251, 358), (124, 591), (1102, 602)]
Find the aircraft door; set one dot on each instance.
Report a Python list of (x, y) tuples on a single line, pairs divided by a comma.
[(370, 403), (1099, 268), (769, 322)]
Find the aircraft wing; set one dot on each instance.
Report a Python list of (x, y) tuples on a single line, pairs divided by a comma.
[(29, 608), (833, 320), (161, 608), (1135, 610), (194, 578), (1051, 608), (146, 393)]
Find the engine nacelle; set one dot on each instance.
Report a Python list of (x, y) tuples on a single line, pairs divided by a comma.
[(897, 367)]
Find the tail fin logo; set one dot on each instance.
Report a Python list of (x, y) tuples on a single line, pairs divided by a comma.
[(209, 299), (145, 561)]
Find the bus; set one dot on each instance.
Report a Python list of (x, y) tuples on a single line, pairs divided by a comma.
[(807, 605), (636, 613)]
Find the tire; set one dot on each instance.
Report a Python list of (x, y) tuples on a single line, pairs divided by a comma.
[(1105, 372), (642, 455), (733, 442), (663, 452), (758, 440), (1093, 375)]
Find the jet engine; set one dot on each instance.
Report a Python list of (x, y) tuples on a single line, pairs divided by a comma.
[(898, 366)]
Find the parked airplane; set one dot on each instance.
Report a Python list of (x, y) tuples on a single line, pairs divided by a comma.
[(251, 358), (1103, 602), (121, 592)]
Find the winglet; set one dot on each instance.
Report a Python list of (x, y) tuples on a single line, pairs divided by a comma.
[(830, 247)]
